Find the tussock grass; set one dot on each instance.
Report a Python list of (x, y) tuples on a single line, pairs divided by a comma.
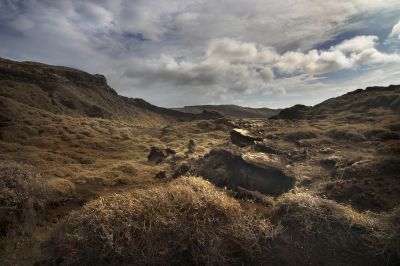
[(23, 193), (300, 134), (333, 233), (346, 134), (187, 221)]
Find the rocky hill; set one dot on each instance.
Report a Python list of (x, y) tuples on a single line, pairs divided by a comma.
[(63, 90), (372, 101), (231, 111)]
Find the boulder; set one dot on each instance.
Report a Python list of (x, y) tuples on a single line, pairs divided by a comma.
[(251, 171), (242, 137), (156, 155), (181, 170), (161, 175)]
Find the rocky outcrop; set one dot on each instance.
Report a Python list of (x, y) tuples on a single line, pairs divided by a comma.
[(252, 171), (242, 137), (156, 155)]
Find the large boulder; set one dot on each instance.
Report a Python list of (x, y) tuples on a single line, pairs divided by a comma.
[(242, 137), (252, 171)]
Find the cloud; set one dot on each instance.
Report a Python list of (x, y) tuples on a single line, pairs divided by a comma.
[(231, 66), (182, 52), (395, 33), (357, 44), (349, 54)]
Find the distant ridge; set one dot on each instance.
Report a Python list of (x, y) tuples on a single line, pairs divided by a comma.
[(231, 111), (381, 99)]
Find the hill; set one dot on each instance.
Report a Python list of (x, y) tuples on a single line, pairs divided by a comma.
[(231, 111), (68, 91), (372, 101)]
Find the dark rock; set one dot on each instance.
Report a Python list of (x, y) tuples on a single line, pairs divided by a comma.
[(182, 169), (251, 171), (161, 175), (170, 151), (261, 146), (156, 155), (191, 146), (242, 137)]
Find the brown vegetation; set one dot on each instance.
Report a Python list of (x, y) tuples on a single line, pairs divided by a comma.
[(187, 221)]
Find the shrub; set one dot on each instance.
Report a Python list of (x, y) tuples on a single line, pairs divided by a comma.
[(380, 134), (346, 134), (328, 232), (23, 193), (187, 221), (298, 135)]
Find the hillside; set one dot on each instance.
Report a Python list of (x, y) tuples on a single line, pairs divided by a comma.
[(231, 111), (358, 104), (62, 90)]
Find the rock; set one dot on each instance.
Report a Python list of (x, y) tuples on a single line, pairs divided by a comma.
[(161, 175), (169, 151), (242, 137), (182, 169), (156, 155), (252, 171), (326, 150), (191, 146), (262, 160), (263, 146), (331, 161)]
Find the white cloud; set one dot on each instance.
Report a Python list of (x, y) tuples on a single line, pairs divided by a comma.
[(357, 44), (395, 33), (349, 54)]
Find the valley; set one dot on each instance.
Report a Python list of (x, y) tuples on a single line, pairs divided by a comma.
[(89, 177)]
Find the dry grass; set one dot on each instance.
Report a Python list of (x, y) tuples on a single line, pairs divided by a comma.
[(23, 194), (187, 221), (332, 233)]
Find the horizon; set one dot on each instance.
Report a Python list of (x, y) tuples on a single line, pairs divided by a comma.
[(258, 54)]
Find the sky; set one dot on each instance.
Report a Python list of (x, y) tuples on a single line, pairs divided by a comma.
[(248, 52)]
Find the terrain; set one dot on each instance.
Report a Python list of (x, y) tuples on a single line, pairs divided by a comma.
[(231, 111), (89, 177)]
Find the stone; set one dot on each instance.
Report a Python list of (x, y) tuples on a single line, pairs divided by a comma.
[(241, 137), (156, 155)]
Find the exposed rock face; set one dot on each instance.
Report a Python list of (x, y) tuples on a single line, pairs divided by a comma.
[(156, 155), (252, 171), (242, 137)]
